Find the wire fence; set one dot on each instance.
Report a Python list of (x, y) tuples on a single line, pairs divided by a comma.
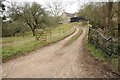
[(45, 34)]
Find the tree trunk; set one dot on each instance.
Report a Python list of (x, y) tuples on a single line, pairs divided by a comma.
[(119, 36), (119, 23), (110, 5), (33, 31), (14, 33)]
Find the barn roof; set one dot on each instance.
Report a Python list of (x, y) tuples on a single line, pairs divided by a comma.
[(70, 15)]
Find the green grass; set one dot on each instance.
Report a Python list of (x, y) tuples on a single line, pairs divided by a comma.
[(8, 41), (14, 46), (74, 38), (100, 55), (97, 53), (115, 64), (10, 51)]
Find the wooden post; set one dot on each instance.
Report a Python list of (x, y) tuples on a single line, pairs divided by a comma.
[(63, 30), (89, 33), (59, 31), (97, 40), (50, 33)]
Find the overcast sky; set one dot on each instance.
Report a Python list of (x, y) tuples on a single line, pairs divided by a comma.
[(72, 7)]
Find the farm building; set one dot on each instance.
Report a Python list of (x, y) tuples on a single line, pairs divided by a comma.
[(66, 17), (76, 19)]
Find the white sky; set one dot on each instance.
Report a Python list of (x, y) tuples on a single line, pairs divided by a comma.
[(71, 8)]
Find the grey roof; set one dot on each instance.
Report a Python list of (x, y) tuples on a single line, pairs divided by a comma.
[(69, 14)]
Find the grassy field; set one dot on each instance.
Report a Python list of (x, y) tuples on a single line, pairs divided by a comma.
[(14, 46)]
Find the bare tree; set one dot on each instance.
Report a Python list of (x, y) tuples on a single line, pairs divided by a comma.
[(55, 9), (32, 14)]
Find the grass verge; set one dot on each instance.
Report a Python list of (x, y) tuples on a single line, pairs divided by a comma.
[(73, 38), (100, 55)]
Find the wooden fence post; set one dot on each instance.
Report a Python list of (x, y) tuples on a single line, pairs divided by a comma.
[(111, 46), (59, 31), (63, 30), (89, 34), (97, 41)]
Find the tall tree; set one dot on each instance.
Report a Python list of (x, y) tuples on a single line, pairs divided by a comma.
[(32, 14)]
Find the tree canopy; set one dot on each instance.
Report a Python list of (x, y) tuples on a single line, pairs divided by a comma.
[(102, 15), (31, 14)]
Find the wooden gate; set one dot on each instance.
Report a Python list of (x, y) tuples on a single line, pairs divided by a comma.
[(99, 41)]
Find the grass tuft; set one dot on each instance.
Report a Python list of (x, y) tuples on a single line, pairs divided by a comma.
[(97, 53), (73, 38)]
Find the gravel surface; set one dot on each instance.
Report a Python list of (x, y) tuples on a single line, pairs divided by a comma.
[(54, 61)]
